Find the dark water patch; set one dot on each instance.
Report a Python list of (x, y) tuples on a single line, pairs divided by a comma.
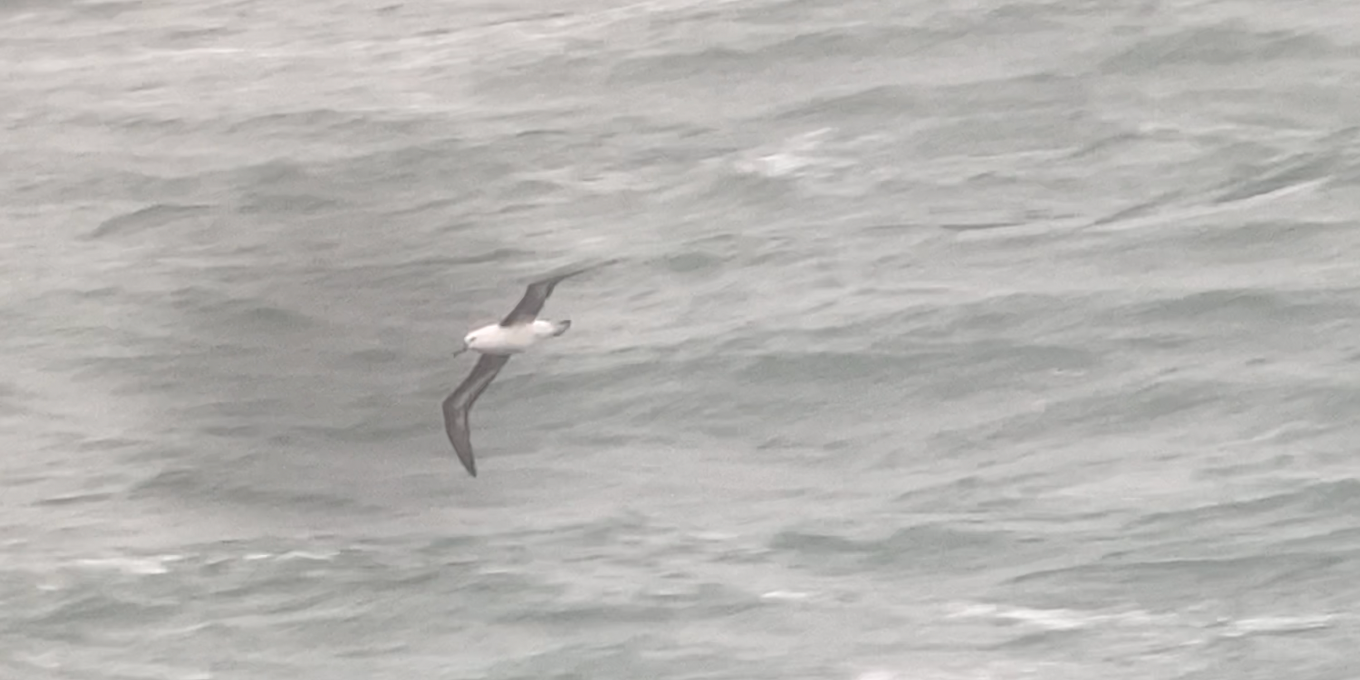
[(866, 41), (1314, 504), (1227, 44), (635, 655), (1173, 582), (793, 12), (533, 190), (151, 217), (446, 166), (979, 226), (733, 192), (237, 431), (144, 124), (1345, 540), (253, 317), (80, 185), (1249, 236), (675, 68), (1141, 209), (442, 208), (622, 527), (1279, 175), (1340, 498), (699, 602), (191, 37), (693, 261), (24, 6), (1023, 315), (984, 366), (1016, 18), (276, 173), (992, 116), (373, 356), (282, 188), (1037, 93), (880, 103), (242, 412), (1135, 408), (279, 192), (1054, 641), (107, 9), (93, 614), (77, 499), (376, 428), (234, 487), (915, 548), (826, 369), (332, 124), (413, 269), (561, 77), (995, 131), (248, 315), (1111, 145), (449, 156), (282, 204), (548, 136), (1242, 308), (13, 399)]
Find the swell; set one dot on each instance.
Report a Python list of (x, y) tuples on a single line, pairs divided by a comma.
[(1219, 45), (820, 50)]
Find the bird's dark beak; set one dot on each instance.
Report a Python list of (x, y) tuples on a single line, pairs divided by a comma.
[(464, 348)]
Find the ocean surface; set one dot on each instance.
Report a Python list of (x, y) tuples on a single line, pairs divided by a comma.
[(962, 339)]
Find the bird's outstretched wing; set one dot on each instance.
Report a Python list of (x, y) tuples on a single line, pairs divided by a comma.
[(460, 401), (537, 293)]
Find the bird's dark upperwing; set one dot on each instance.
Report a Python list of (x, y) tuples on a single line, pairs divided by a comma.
[(457, 405), (532, 303)]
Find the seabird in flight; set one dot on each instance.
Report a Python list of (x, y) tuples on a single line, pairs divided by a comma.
[(515, 333)]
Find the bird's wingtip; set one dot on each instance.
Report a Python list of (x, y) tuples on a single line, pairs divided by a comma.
[(582, 269)]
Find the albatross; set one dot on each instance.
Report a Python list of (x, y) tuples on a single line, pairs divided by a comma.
[(517, 332)]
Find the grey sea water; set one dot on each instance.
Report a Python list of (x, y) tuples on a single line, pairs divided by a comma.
[(950, 340)]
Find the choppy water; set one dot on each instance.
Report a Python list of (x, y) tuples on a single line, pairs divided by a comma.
[(951, 340)]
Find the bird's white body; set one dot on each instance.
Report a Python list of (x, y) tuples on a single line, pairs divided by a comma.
[(498, 339)]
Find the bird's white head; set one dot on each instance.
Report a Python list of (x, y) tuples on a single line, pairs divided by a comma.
[(471, 341)]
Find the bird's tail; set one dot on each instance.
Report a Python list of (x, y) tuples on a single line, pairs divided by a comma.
[(561, 327)]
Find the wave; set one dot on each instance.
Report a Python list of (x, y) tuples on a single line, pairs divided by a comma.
[(1230, 43)]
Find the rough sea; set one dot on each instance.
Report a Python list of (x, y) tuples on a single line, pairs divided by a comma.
[(948, 340)]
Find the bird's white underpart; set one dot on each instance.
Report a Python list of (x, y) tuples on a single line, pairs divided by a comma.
[(498, 339)]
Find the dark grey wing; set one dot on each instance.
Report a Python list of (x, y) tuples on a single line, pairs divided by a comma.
[(532, 303), (457, 405)]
